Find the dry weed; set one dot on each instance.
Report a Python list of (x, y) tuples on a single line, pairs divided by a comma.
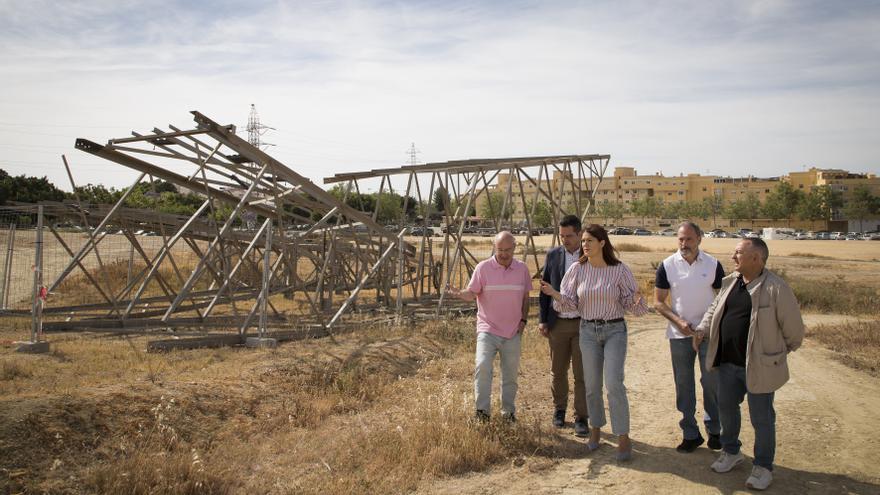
[(381, 411), (836, 296), (632, 247), (810, 255), (856, 344), (12, 370)]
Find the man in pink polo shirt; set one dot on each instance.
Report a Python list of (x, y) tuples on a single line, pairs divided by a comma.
[(501, 288)]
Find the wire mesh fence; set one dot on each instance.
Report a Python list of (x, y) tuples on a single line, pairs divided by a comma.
[(71, 274)]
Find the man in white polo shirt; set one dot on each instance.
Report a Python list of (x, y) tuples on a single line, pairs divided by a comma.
[(690, 278)]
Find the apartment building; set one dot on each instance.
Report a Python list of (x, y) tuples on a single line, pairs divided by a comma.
[(626, 185)]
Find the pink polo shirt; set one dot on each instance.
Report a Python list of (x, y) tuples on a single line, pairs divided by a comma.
[(500, 293)]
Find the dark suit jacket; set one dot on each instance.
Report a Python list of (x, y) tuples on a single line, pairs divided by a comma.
[(554, 270)]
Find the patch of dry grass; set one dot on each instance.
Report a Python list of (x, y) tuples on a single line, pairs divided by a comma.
[(856, 344), (381, 411), (833, 295), (809, 255), (632, 247)]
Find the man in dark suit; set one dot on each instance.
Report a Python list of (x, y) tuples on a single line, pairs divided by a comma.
[(563, 329)]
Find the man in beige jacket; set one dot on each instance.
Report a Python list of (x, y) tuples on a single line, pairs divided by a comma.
[(752, 325)]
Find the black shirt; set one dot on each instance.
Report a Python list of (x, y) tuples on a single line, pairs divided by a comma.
[(734, 330)]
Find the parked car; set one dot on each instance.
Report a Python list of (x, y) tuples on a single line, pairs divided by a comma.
[(853, 236), (620, 231), (837, 236), (753, 235), (641, 232), (667, 232), (422, 231), (823, 235)]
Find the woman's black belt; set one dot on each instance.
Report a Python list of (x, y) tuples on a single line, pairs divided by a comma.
[(604, 322)]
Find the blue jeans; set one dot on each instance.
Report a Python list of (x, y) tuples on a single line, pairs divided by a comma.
[(603, 348), (487, 346), (731, 390), (683, 356)]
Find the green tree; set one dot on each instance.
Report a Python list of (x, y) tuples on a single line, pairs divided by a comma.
[(611, 210), (361, 202), (97, 194), (810, 208), (491, 205), (388, 207), (543, 214), (441, 200), (646, 207), (819, 204), (25, 189), (713, 206), (747, 208), (782, 202), (672, 209), (862, 206), (692, 210)]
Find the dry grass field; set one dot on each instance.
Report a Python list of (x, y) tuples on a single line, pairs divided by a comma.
[(387, 409)]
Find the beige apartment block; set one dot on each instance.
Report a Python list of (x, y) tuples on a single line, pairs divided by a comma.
[(626, 185)]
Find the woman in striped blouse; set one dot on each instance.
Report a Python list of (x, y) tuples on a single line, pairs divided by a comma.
[(601, 288)]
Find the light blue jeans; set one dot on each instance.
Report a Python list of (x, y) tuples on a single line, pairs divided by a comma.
[(603, 348), (487, 346), (683, 357)]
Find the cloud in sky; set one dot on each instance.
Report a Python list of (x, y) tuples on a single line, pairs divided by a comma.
[(733, 88)]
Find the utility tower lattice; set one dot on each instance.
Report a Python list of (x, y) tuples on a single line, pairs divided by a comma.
[(256, 130), (412, 152)]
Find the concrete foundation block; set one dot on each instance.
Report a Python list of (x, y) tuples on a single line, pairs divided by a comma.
[(33, 347), (261, 343)]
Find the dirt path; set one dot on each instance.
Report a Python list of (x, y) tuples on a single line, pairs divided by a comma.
[(828, 417)]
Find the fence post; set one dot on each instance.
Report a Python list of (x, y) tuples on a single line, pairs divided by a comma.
[(36, 345), (130, 263), (400, 280), (7, 266)]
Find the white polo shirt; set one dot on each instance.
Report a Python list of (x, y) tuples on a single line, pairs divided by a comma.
[(690, 287)]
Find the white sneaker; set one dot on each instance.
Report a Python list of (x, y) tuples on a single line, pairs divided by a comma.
[(760, 478), (726, 462)]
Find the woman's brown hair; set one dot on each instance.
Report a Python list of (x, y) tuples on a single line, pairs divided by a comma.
[(609, 254)]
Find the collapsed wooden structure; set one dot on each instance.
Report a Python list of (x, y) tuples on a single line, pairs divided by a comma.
[(308, 258)]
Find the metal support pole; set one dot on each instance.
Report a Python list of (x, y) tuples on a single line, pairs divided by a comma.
[(399, 280), (7, 266), (130, 264), (37, 321), (267, 275)]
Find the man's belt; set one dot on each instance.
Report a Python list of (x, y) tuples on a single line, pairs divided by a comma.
[(604, 322)]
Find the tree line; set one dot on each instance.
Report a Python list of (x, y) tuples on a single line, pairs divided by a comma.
[(783, 203), (157, 195)]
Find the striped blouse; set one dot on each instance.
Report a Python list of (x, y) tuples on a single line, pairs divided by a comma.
[(599, 293)]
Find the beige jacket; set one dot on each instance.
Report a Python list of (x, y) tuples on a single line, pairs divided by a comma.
[(776, 328)]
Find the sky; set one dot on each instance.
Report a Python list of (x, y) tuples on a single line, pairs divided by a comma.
[(760, 87)]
